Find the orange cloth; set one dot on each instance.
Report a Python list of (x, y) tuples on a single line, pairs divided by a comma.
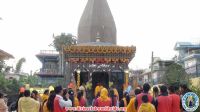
[(76, 102), (44, 108), (22, 89), (131, 106), (44, 97)]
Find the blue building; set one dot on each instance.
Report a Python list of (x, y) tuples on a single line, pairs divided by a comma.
[(50, 71), (189, 57)]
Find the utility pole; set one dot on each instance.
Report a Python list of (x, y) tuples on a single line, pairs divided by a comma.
[(63, 67), (152, 60)]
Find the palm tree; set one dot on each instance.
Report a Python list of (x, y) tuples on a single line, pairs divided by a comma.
[(19, 65)]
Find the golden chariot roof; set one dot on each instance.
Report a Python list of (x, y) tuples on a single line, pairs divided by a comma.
[(99, 54)]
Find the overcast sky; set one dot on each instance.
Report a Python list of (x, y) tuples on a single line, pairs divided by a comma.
[(27, 26)]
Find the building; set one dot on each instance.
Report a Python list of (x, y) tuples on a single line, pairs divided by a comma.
[(135, 78), (4, 55), (189, 57), (154, 75), (96, 58), (50, 71), (159, 69)]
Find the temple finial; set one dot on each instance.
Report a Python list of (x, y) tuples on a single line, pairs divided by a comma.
[(98, 38)]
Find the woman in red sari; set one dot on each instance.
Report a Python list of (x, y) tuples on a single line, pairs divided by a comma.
[(81, 99), (103, 100)]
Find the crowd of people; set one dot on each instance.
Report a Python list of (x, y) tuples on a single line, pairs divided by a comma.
[(162, 99)]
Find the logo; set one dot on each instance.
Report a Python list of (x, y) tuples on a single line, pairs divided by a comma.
[(190, 101)]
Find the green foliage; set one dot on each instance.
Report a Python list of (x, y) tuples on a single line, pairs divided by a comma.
[(63, 39), (2, 65), (196, 89), (175, 74), (32, 80), (19, 65), (12, 86), (8, 86)]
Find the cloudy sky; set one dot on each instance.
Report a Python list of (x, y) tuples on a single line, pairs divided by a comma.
[(27, 26)]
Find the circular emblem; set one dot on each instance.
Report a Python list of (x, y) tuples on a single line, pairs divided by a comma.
[(190, 101)]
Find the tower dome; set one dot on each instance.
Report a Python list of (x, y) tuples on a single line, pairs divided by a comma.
[(97, 18)]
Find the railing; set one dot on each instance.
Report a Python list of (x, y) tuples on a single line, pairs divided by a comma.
[(48, 52), (48, 71)]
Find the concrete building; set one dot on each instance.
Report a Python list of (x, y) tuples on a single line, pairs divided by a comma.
[(6, 56), (134, 78), (154, 75), (49, 73), (159, 69), (145, 77), (188, 55)]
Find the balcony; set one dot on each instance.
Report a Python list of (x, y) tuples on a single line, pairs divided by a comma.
[(51, 52), (48, 72)]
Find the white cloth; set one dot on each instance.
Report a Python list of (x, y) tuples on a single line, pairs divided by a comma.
[(64, 103)]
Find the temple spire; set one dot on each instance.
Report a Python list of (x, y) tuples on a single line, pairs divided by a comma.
[(97, 18)]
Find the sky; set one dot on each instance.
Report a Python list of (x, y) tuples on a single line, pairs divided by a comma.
[(27, 26)]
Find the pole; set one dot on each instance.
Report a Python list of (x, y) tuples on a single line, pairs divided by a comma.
[(196, 70), (62, 67), (152, 65)]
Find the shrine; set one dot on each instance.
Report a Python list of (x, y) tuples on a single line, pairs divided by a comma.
[(96, 58)]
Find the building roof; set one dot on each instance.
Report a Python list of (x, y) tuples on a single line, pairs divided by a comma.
[(4, 55), (96, 44), (97, 20), (192, 56), (163, 61), (47, 55), (186, 45)]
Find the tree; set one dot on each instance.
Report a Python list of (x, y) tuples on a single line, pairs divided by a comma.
[(2, 65), (63, 39), (32, 80), (9, 86), (19, 65), (58, 43), (175, 74)]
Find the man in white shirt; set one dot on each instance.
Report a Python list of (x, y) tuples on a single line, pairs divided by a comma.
[(59, 102)]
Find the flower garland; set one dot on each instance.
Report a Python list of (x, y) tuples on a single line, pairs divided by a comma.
[(78, 80)]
